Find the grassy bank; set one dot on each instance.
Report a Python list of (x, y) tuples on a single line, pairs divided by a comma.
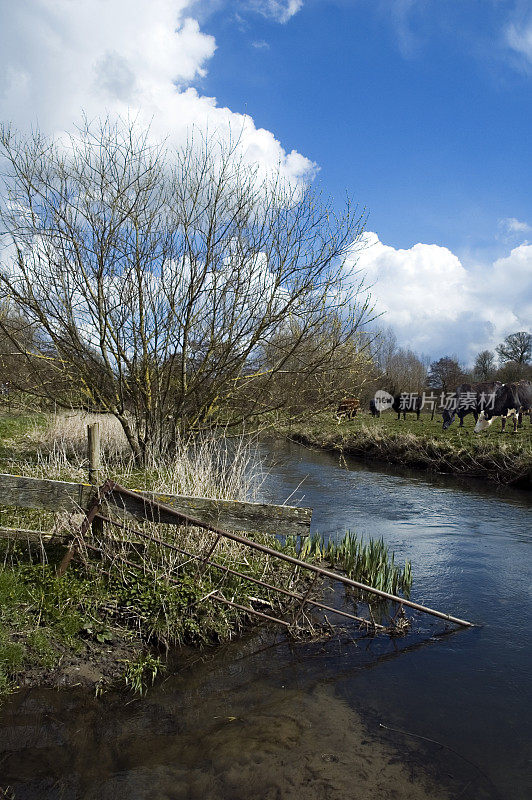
[(115, 612), (504, 458)]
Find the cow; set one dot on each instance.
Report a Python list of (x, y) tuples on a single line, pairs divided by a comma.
[(348, 408), (406, 401), (470, 399), (511, 400), (373, 410)]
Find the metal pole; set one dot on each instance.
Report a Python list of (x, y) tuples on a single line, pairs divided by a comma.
[(93, 437), (153, 505), (294, 595), (93, 441)]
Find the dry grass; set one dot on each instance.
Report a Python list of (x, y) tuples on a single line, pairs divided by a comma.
[(65, 433), (211, 465)]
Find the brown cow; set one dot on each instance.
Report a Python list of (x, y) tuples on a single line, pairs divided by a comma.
[(348, 408)]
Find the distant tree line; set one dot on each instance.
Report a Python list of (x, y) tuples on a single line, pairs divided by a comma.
[(397, 369)]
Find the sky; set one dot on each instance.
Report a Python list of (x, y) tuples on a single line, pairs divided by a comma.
[(419, 110)]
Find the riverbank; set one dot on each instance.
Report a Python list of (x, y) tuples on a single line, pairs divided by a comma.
[(502, 458), (115, 613), (127, 599)]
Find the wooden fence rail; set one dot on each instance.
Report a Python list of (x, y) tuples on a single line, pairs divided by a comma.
[(17, 490)]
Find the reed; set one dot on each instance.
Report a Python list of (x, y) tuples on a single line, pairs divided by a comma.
[(367, 562)]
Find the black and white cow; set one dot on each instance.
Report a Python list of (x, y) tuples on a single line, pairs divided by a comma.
[(511, 400), (471, 398)]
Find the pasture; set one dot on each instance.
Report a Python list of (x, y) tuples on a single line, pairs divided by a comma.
[(501, 457)]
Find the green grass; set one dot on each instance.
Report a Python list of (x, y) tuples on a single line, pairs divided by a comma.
[(501, 457), (425, 428), (17, 435)]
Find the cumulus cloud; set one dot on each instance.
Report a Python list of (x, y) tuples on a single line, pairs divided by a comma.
[(118, 57), (437, 306)]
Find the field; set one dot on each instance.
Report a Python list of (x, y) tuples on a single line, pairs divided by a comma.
[(501, 457)]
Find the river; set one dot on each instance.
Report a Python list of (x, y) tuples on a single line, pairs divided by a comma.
[(263, 718)]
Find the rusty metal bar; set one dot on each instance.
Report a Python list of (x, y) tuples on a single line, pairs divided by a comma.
[(85, 526), (231, 571), (153, 505), (249, 610)]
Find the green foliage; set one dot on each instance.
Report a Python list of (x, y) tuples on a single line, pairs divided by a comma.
[(168, 612), (141, 673), (367, 562)]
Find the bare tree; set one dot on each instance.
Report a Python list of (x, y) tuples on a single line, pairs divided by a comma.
[(484, 366), (154, 281), (384, 347), (516, 347), (405, 372), (445, 374)]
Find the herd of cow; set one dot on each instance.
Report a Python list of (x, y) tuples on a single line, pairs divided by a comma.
[(486, 401)]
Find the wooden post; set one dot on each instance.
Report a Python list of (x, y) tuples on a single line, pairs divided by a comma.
[(93, 438), (93, 435)]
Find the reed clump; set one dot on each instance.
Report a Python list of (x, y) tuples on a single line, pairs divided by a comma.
[(368, 562)]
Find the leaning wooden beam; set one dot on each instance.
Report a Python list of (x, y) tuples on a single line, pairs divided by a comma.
[(16, 490)]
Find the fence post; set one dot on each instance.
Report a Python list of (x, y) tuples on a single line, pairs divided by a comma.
[(93, 441)]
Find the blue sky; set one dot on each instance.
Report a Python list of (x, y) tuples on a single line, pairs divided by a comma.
[(419, 109), (423, 114)]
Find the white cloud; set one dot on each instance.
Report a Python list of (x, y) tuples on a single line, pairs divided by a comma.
[(60, 57), (437, 306), (519, 39), (513, 225), (280, 10)]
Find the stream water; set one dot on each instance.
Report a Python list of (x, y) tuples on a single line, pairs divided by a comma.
[(264, 718)]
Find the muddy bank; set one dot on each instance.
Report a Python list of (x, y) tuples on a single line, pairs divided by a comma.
[(93, 666)]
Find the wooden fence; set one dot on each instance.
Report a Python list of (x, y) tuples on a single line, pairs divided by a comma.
[(17, 490)]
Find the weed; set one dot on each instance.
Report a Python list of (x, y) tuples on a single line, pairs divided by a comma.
[(141, 673), (366, 562)]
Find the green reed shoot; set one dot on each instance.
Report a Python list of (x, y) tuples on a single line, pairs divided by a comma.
[(367, 562)]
